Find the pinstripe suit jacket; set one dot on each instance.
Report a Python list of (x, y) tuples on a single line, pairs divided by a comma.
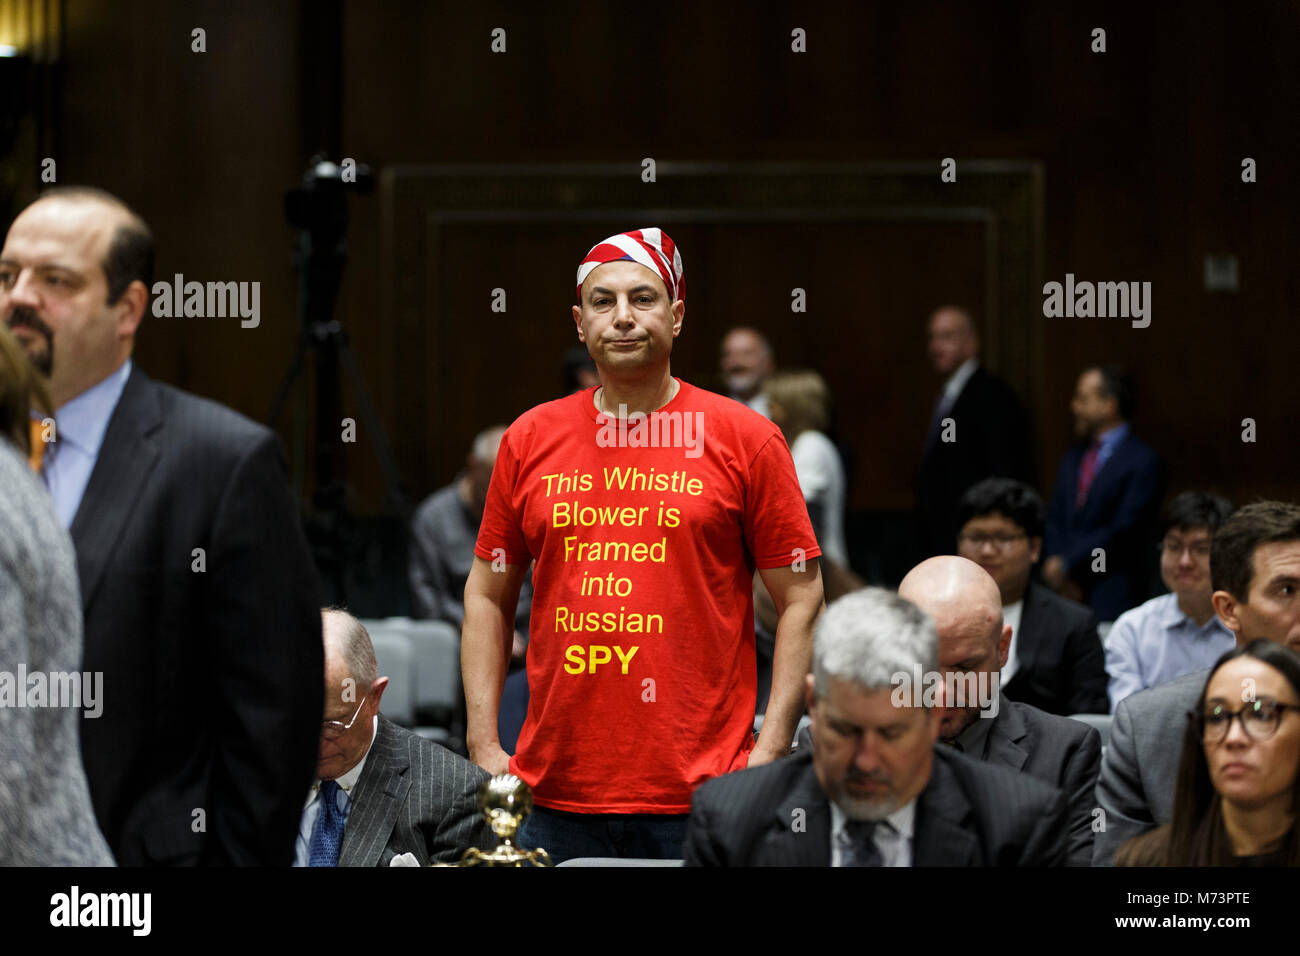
[(413, 797), (970, 814)]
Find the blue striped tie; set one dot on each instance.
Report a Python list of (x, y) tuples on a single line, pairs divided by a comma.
[(327, 834)]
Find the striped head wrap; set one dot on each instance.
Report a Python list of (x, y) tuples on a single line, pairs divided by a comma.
[(649, 247)]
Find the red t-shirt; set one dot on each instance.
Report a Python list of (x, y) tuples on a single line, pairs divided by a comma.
[(641, 666)]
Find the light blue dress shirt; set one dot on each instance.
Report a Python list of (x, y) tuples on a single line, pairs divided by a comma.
[(311, 809), (80, 425), (1156, 642), (1109, 442)]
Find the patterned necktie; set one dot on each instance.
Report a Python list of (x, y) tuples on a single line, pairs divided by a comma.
[(858, 844), (37, 456), (327, 834), (1087, 471)]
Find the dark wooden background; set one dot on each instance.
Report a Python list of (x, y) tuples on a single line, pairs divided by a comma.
[(1139, 150)]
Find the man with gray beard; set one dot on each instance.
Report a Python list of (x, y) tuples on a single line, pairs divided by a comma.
[(873, 790), (965, 604)]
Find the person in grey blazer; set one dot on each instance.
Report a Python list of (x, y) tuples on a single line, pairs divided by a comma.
[(45, 814), (874, 790), (965, 604), (394, 792), (1254, 558), (199, 594)]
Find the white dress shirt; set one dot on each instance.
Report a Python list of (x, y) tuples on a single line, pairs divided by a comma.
[(892, 835), (957, 381), (311, 809), (820, 473), (1011, 615)]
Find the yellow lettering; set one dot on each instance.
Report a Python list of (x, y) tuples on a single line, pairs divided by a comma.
[(604, 658), (625, 659), (573, 654)]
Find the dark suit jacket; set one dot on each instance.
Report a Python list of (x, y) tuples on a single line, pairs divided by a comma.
[(1061, 662), (969, 814), (993, 439), (213, 663), (1059, 751), (1119, 515), (1139, 773), (413, 796)]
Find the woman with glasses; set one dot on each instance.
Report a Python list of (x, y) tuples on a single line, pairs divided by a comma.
[(1238, 793)]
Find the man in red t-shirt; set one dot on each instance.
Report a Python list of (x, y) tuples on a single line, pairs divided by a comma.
[(646, 504)]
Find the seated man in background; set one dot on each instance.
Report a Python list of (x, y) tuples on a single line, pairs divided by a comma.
[(443, 533), (1175, 633), (964, 603), (382, 790), (873, 790), (1055, 659), (1255, 570)]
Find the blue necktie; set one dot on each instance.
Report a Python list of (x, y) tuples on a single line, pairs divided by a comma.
[(327, 834), (858, 844)]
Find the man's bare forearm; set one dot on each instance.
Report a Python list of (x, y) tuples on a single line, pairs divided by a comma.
[(485, 644), (798, 607)]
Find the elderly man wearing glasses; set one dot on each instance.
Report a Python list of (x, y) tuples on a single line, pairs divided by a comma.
[(1176, 633), (381, 791)]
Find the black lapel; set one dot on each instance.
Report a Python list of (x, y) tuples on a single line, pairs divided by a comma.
[(801, 835), (376, 799), (1005, 735), (128, 454), (941, 835)]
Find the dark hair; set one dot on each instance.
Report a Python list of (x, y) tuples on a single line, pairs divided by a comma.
[(575, 360), (130, 251), (1232, 553), (1014, 500), (1195, 509), (21, 390), (1197, 836), (1118, 384)]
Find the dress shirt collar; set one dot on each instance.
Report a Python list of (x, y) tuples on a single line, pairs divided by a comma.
[(82, 421), (902, 820), (957, 381), (1111, 437)]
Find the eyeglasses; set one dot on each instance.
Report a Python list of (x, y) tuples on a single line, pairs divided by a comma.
[(333, 729), (1199, 549), (1000, 541), (1259, 719)]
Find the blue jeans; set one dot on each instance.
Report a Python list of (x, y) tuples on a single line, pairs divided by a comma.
[(564, 836)]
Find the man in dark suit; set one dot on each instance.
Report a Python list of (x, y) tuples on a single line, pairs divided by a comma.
[(1254, 562), (1055, 661), (873, 790), (966, 607), (198, 591), (978, 429), (1105, 502), (382, 790)]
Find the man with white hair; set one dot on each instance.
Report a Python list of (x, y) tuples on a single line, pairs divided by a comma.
[(873, 790), (745, 362), (965, 604), (381, 791)]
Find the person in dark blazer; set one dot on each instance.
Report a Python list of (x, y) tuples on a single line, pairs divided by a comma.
[(989, 433), (1107, 496), (1055, 660), (198, 591), (873, 789), (1253, 558), (964, 603), (394, 792)]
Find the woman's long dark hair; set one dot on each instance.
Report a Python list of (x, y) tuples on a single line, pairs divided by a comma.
[(1197, 836)]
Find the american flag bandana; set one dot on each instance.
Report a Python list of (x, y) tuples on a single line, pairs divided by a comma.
[(649, 247)]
